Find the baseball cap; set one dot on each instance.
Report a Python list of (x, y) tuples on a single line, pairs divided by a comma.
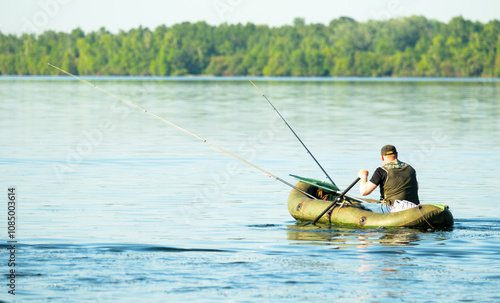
[(389, 150)]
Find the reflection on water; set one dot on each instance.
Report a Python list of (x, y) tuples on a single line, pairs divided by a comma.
[(307, 234)]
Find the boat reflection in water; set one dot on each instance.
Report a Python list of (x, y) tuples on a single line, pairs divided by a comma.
[(323, 234)]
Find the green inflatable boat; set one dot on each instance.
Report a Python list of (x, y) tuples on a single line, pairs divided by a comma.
[(352, 212)]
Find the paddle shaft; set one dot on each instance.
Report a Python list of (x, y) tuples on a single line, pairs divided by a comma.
[(309, 152), (336, 200), (183, 130)]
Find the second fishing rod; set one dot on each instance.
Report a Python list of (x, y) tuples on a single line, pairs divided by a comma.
[(307, 149)]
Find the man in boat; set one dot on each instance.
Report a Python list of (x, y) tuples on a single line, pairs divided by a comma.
[(397, 180)]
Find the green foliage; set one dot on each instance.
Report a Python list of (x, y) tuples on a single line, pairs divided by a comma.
[(411, 46)]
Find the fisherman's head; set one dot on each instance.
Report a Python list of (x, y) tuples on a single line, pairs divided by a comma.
[(389, 153)]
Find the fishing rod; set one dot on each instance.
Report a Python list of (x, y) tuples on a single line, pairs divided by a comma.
[(185, 131), (327, 176)]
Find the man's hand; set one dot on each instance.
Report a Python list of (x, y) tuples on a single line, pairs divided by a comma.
[(365, 186), (363, 174)]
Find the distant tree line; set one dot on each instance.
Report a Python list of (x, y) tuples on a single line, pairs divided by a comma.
[(411, 46)]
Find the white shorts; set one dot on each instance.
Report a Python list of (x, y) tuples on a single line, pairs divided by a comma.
[(400, 205)]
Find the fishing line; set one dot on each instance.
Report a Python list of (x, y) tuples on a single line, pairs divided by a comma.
[(326, 174), (185, 131)]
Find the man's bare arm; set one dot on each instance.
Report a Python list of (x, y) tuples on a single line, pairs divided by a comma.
[(365, 187)]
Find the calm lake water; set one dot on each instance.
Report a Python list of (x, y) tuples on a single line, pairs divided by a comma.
[(114, 205)]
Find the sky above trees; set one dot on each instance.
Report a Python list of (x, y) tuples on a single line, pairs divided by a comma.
[(37, 16)]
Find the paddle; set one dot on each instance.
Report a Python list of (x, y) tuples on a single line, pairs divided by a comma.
[(336, 200)]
